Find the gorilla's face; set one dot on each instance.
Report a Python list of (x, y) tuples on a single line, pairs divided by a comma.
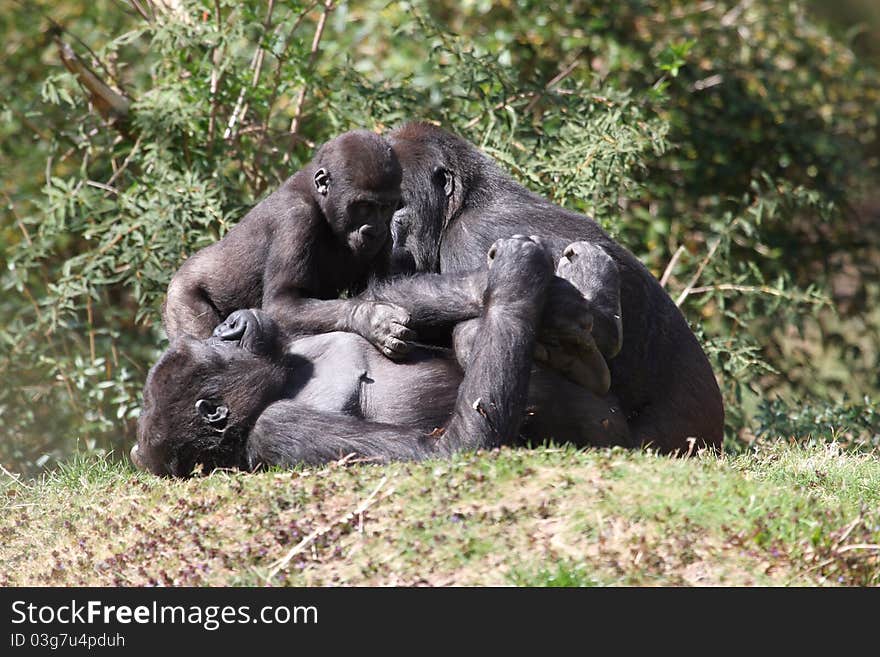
[(203, 396), (426, 204), (357, 184)]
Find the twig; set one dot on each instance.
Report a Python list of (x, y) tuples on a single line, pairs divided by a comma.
[(33, 127), (22, 227), (673, 261), (504, 103), (308, 540), (313, 54), (559, 77), (241, 107), (215, 76), (849, 529), (687, 290), (143, 12), (860, 546), (91, 321), (125, 162), (14, 477), (345, 460), (109, 245), (100, 185), (276, 83), (751, 289)]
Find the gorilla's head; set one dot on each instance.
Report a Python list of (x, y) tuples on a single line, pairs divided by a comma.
[(357, 185), (202, 397), (442, 174)]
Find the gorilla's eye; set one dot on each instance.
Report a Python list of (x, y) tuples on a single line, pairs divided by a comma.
[(212, 413)]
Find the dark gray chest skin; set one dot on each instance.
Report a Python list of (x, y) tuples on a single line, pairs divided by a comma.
[(343, 373)]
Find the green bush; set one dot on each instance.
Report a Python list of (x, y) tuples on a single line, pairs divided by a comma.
[(735, 135)]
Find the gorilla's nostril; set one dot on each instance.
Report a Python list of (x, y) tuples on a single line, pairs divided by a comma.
[(569, 253), (492, 252), (233, 330)]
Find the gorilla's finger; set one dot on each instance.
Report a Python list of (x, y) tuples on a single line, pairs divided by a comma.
[(402, 332), (394, 348)]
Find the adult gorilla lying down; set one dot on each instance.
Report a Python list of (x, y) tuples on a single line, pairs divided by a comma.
[(246, 398)]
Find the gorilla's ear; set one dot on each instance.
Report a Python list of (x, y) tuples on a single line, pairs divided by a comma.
[(215, 415), (322, 181), (444, 175)]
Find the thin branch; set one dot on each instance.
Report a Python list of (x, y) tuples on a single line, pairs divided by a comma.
[(308, 540), (241, 107), (564, 73), (143, 12), (30, 125), (216, 56), (687, 290), (109, 245), (91, 321), (280, 58), (313, 54), (14, 477), (100, 185), (668, 271), (860, 546), (504, 103), (125, 162), (753, 289), (24, 230)]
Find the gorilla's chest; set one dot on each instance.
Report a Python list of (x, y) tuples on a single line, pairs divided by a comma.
[(334, 373)]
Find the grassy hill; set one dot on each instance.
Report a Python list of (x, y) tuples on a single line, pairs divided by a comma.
[(783, 515)]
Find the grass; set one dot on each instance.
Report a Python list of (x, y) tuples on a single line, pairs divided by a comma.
[(781, 515)]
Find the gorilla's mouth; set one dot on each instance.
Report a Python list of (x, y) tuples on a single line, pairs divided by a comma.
[(368, 241)]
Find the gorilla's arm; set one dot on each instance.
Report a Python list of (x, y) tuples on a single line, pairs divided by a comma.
[(288, 433), (291, 280), (187, 308), (434, 299), (573, 330), (491, 399)]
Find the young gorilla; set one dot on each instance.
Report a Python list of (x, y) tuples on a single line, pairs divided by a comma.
[(324, 231), (244, 398), (457, 202)]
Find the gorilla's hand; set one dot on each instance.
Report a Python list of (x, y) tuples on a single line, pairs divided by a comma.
[(385, 325), (250, 329), (565, 342), (520, 268)]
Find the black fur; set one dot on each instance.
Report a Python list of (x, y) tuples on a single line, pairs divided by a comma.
[(323, 232), (318, 398), (457, 202)]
